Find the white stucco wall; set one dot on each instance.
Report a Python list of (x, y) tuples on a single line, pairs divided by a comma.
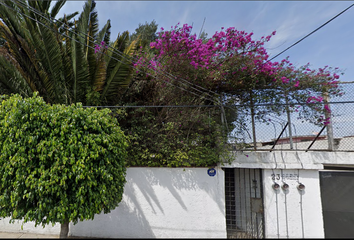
[(292, 213), (164, 203), (188, 203), (157, 203)]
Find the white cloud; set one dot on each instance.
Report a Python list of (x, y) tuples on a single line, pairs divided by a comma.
[(293, 20)]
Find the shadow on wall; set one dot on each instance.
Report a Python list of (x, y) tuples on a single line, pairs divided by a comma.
[(176, 181), (154, 199)]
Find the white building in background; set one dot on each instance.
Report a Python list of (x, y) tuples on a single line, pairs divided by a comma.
[(240, 199)]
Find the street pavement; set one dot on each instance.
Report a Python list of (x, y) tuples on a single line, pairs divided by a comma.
[(31, 235), (26, 235)]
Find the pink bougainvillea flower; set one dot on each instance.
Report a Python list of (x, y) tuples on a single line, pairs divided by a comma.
[(181, 51), (97, 48), (326, 107), (284, 79)]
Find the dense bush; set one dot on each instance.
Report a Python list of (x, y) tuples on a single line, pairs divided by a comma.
[(59, 163), (187, 137)]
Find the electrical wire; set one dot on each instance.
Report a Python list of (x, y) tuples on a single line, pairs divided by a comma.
[(124, 55), (170, 76), (212, 99), (152, 106), (102, 52), (164, 73), (218, 102), (226, 106), (286, 104), (311, 32), (277, 211), (276, 203), (301, 208), (286, 205), (276, 190)]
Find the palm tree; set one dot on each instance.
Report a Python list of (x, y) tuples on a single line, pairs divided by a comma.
[(60, 62)]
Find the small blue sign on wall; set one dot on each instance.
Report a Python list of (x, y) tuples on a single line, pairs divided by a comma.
[(211, 172)]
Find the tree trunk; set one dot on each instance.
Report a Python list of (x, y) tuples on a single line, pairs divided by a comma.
[(64, 230)]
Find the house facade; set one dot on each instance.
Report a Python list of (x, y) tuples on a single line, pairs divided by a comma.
[(260, 194)]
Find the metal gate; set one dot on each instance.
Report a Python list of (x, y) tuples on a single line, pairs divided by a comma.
[(337, 202), (244, 203)]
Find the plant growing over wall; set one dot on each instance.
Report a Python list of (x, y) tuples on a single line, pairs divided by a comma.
[(231, 69), (185, 137), (59, 163)]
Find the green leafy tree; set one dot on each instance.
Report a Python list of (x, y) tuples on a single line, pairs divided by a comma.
[(59, 163), (65, 65), (146, 33)]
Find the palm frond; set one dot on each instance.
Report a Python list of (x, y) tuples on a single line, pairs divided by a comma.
[(119, 70), (11, 80), (56, 8), (105, 33), (83, 22), (19, 56), (48, 52), (80, 70), (10, 19), (100, 74), (91, 37)]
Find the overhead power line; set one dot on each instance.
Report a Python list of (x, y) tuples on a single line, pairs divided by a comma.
[(232, 107), (312, 32), (130, 59), (217, 100), (121, 54), (193, 86)]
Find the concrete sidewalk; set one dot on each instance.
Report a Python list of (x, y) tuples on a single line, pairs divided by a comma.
[(26, 235), (32, 235)]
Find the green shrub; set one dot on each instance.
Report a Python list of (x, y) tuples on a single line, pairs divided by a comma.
[(59, 163), (188, 139)]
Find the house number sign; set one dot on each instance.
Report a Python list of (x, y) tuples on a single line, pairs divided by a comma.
[(211, 172), (285, 176)]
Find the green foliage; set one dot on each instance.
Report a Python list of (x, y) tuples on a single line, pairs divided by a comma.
[(186, 140), (146, 33), (59, 163), (39, 55)]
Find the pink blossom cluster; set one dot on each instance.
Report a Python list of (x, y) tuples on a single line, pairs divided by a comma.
[(233, 54), (323, 120), (179, 43), (313, 99), (99, 47), (303, 76)]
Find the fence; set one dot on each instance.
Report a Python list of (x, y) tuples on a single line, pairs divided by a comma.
[(288, 132), (169, 129)]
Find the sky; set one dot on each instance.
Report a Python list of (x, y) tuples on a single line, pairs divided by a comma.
[(331, 45)]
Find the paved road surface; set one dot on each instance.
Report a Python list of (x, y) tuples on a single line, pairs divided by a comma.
[(30, 235)]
